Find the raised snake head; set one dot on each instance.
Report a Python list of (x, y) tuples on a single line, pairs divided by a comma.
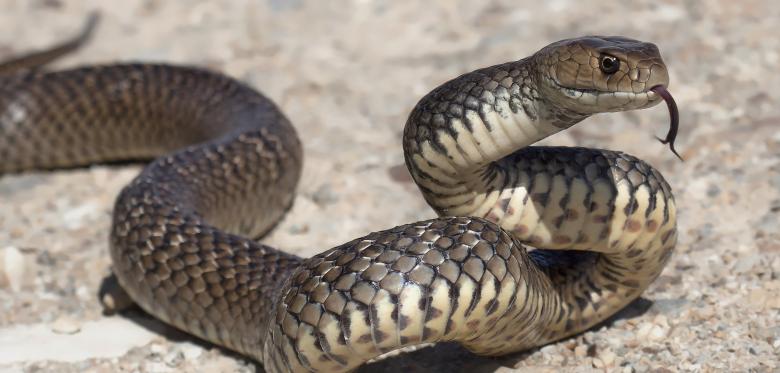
[(595, 74)]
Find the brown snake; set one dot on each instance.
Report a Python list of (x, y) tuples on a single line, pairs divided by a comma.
[(603, 223)]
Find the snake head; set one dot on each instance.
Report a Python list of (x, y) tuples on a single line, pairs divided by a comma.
[(596, 74)]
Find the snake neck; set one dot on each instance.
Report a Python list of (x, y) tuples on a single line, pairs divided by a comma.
[(457, 133)]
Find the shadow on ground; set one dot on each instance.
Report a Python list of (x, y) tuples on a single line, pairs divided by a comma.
[(442, 357)]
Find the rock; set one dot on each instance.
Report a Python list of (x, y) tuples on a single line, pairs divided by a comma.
[(704, 313), (643, 331), (549, 349), (581, 351), (78, 216), (298, 229), (607, 357), (65, 325), (746, 263), (191, 351), (173, 358), (399, 173), (661, 321), (670, 307), (758, 298), (324, 195), (657, 333), (13, 268)]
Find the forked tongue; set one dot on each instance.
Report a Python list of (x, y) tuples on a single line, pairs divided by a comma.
[(673, 114)]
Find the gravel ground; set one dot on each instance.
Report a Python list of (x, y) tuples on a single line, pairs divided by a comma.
[(347, 73)]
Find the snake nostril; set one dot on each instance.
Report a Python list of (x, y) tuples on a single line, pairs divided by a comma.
[(657, 75)]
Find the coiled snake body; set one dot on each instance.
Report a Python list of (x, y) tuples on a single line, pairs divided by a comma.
[(603, 222)]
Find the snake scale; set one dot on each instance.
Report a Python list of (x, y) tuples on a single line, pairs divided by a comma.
[(226, 162)]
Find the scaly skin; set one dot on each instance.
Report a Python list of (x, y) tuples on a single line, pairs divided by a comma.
[(229, 162)]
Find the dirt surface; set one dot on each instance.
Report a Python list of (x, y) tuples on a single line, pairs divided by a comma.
[(347, 73)]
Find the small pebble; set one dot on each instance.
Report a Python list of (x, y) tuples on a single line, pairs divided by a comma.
[(191, 351), (704, 313), (173, 358), (657, 333), (17, 232), (581, 351), (671, 307), (65, 325), (549, 349), (608, 357), (661, 321), (157, 349), (746, 263), (298, 229), (399, 173), (324, 195), (643, 331), (13, 268), (758, 298)]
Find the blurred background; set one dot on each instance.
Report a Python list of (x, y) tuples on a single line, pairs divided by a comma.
[(347, 73)]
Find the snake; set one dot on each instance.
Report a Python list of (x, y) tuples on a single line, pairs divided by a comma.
[(532, 244)]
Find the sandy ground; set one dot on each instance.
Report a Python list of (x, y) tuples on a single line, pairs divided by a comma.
[(347, 73)]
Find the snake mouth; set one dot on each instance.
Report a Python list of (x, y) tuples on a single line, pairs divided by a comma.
[(621, 100), (630, 101)]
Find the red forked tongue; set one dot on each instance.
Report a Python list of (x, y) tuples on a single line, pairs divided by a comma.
[(675, 117)]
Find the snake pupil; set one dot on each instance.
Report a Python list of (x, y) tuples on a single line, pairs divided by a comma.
[(609, 64)]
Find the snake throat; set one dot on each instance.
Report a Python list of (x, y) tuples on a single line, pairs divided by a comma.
[(673, 115)]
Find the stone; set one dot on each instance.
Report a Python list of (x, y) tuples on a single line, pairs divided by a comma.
[(13, 268), (65, 325)]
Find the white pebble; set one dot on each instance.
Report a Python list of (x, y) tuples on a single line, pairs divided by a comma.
[(173, 358), (191, 351), (657, 333), (643, 331), (661, 321), (12, 268), (549, 349), (746, 263), (157, 348), (77, 217), (608, 357), (581, 351), (65, 325)]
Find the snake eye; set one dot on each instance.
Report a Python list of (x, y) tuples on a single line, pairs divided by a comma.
[(609, 64)]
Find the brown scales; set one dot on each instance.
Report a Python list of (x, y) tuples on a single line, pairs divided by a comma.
[(176, 226)]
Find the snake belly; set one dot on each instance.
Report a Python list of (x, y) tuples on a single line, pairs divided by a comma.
[(227, 162)]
